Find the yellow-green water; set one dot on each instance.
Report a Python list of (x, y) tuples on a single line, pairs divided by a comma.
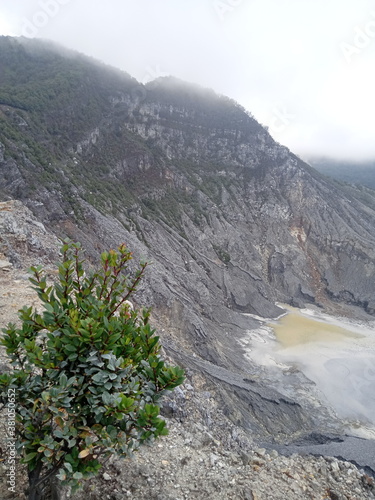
[(338, 355), (295, 329)]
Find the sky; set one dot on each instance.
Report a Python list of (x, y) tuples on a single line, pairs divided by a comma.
[(304, 68)]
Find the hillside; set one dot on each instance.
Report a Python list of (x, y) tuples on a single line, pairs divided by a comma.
[(205, 455), (358, 173), (232, 221)]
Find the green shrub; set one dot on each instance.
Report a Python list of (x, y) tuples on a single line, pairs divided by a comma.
[(222, 254), (87, 373)]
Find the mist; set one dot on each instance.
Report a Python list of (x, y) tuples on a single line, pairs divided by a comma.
[(304, 69)]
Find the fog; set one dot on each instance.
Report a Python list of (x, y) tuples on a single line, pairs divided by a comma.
[(303, 68)]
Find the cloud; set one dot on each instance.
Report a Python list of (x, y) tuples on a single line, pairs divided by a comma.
[(288, 59)]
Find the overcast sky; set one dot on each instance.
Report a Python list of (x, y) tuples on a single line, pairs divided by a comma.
[(305, 68)]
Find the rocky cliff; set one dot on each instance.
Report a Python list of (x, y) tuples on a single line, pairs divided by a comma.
[(232, 221), (206, 456)]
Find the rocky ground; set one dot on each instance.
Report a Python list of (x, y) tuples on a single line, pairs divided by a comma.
[(185, 466), (205, 455)]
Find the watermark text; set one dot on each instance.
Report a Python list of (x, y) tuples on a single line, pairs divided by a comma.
[(224, 7), (11, 453), (362, 38), (48, 10)]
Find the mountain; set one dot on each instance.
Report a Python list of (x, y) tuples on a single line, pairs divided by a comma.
[(204, 447), (359, 173), (232, 221)]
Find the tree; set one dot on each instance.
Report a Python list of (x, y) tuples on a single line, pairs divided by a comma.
[(87, 371)]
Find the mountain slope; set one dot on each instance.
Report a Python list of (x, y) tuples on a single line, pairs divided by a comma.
[(199, 431), (361, 172), (231, 220)]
